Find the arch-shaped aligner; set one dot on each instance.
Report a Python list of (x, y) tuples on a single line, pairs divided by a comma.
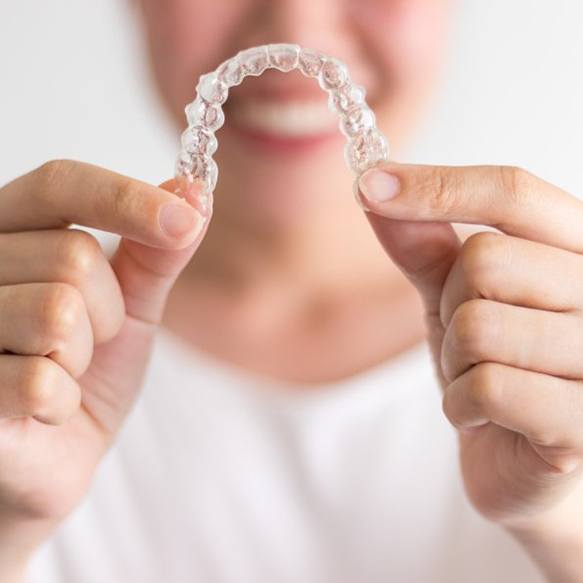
[(366, 146)]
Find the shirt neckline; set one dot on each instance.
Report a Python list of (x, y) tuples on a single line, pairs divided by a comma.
[(399, 365)]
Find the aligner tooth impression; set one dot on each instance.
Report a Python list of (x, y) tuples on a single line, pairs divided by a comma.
[(366, 146)]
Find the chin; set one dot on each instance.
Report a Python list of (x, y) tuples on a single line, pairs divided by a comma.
[(282, 172), (284, 201), (282, 189)]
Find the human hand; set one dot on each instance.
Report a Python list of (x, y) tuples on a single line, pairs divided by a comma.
[(505, 322), (76, 329)]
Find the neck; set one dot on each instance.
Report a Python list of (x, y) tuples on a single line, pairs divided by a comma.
[(314, 298)]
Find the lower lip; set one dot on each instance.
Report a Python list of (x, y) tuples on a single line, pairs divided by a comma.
[(276, 145)]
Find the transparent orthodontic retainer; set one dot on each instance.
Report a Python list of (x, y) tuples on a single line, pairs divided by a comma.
[(366, 145)]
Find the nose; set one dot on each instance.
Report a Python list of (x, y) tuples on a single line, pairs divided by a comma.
[(321, 24)]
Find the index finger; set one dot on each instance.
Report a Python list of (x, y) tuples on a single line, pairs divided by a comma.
[(63, 192), (505, 197)]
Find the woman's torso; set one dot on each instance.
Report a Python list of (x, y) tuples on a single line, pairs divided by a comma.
[(220, 477)]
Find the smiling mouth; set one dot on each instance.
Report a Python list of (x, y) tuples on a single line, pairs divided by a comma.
[(285, 119), (283, 126), (281, 112)]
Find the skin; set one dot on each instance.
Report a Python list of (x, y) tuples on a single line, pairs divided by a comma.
[(502, 310)]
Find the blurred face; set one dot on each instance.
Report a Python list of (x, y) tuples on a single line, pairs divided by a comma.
[(280, 152)]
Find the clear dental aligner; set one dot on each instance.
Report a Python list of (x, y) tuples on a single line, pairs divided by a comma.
[(366, 145)]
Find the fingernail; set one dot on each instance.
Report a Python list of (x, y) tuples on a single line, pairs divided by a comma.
[(378, 185), (178, 219)]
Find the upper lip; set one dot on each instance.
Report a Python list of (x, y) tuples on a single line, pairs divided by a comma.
[(272, 86)]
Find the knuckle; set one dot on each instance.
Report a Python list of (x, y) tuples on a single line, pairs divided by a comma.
[(473, 329), (565, 465), (546, 437), (61, 310), (78, 254), (517, 183), (449, 407), (111, 326), (38, 386), (454, 406), (482, 256), (442, 190), (51, 173), (485, 385), (125, 197)]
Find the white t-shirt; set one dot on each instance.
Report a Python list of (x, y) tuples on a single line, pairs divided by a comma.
[(221, 476)]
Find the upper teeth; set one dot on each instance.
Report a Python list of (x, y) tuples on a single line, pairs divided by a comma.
[(285, 119)]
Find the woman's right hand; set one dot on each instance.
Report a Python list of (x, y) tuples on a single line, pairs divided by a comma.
[(75, 331)]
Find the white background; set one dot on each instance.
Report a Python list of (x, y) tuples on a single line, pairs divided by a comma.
[(73, 83)]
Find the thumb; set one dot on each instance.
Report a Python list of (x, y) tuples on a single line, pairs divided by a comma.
[(424, 252), (423, 249), (146, 274)]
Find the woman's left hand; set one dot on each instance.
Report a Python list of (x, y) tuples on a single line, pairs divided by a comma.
[(505, 319)]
